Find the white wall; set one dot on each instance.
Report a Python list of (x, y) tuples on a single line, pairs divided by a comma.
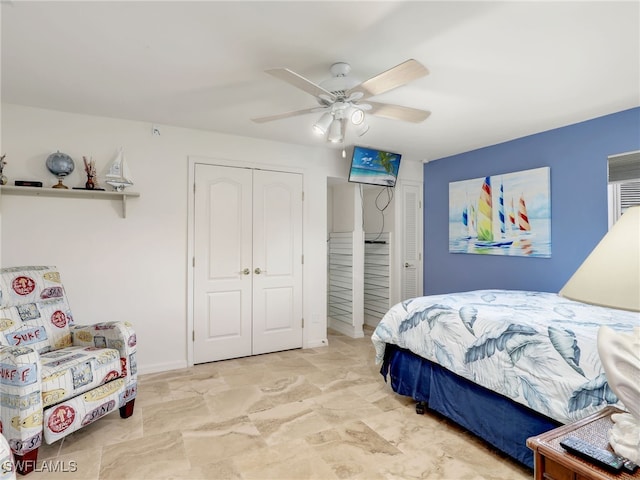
[(1, 145), (377, 218), (344, 206), (136, 268)]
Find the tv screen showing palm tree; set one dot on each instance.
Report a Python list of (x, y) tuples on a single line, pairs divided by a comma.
[(374, 167)]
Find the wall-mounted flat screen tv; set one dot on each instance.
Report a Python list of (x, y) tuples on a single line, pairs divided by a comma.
[(374, 167)]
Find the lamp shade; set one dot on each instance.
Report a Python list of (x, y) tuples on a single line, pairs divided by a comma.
[(610, 276)]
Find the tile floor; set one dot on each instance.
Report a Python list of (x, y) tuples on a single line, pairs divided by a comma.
[(322, 413)]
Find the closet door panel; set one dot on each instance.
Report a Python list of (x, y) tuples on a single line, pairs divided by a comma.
[(222, 273), (277, 258), (411, 282)]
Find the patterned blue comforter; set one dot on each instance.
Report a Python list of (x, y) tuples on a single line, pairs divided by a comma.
[(536, 348)]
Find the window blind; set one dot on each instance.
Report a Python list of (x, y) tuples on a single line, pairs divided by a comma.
[(624, 183), (624, 167), (629, 194)]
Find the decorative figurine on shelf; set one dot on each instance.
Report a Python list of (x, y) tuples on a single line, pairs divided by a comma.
[(90, 169), (3, 178), (61, 165), (118, 176)]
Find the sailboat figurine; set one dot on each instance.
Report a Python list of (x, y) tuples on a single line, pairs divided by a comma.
[(119, 176)]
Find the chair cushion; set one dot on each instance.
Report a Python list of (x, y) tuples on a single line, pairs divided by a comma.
[(19, 285), (77, 412), (43, 325), (73, 370)]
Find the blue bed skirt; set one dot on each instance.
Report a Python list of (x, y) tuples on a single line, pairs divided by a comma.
[(501, 422)]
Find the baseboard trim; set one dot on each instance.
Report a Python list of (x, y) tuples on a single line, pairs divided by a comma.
[(317, 343), (345, 329), (161, 367)]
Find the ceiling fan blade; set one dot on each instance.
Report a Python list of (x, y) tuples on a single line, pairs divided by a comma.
[(298, 81), (394, 77), (287, 114), (398, 112), (354, 97)]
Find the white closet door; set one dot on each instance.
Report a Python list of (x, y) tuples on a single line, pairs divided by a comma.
[(411, 284), (248, 262), (223, 244), (277, 261)]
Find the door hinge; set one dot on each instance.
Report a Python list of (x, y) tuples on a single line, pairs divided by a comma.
[(302, 259), (302, 322), (303, 196), (419, 256), (194, 188), (419, 204), (193, 335), (193, 261)]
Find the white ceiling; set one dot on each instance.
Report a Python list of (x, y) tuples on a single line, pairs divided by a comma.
[(499, 70)]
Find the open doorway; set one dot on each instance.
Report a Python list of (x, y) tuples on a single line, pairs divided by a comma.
[(364, 275)]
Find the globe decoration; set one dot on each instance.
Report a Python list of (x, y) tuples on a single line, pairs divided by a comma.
[(61, 165)]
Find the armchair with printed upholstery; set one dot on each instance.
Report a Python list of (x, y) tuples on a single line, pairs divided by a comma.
[(56, 377), (7, 467)]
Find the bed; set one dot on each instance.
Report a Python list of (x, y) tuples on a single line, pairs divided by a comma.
[(504, 364)]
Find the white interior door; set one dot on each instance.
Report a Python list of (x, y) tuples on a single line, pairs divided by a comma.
[(277, 261), (223, 254), (411, 283), (248, 262)]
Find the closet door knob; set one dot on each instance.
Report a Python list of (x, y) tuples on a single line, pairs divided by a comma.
[(246, 271), (257, 271)]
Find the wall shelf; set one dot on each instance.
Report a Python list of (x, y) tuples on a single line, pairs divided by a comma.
[(70, 193)]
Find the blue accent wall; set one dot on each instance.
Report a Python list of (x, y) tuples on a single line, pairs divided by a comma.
[(577, 157)]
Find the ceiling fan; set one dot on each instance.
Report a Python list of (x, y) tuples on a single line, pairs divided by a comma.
[(343, 98)]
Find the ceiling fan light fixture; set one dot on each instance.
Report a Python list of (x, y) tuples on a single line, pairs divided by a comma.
[(362, 129), (323, 123), (357, 116), (340, 98), (335, 131)]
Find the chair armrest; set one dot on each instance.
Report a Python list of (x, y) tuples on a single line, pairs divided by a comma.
[(21, 397), (116, 335)]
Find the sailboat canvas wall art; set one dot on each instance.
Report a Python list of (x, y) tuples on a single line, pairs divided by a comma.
[(508, 214)]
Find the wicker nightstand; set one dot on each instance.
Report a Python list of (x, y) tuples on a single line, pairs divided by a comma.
[(552, 462)]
